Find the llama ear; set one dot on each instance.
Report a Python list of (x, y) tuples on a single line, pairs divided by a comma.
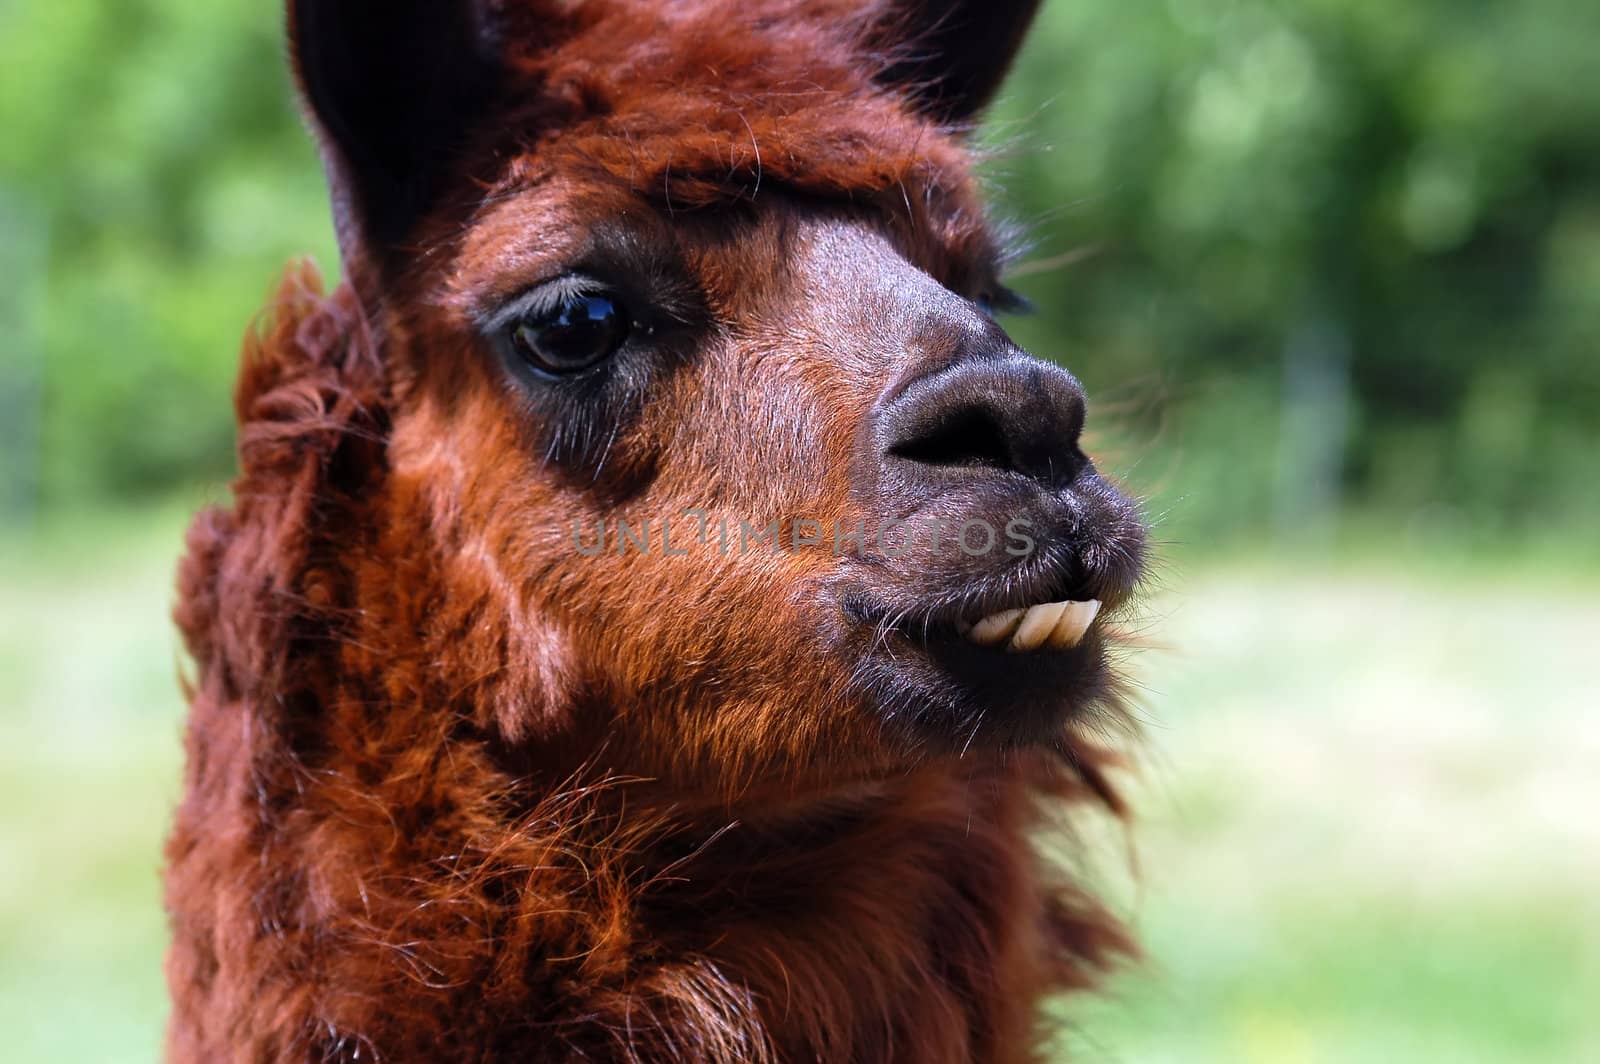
[(394, 88), (951, 56)]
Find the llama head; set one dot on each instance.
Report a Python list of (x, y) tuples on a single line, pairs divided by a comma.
[(699, 439)]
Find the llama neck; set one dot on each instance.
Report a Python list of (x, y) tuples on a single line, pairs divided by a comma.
[(906, 924), (406, 906)]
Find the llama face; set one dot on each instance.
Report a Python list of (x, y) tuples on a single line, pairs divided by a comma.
[(697, 399)]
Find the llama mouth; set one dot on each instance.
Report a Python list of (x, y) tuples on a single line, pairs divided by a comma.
[(1056, 625), (962, 650), (1047, 609)]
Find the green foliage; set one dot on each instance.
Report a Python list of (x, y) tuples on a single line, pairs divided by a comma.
[(1329, 254), (154, 162), (1417, 184)]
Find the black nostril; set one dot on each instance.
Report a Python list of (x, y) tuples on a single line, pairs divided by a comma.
[(966, 437), (1011, 414)]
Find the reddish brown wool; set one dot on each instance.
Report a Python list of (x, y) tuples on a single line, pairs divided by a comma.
[(459, 792)]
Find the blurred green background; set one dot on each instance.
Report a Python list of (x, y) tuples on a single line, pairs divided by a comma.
[(1331, 272)]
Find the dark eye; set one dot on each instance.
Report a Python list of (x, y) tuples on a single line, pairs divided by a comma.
[(571, 335)]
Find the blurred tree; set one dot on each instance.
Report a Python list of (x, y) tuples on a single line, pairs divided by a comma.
[(1418, 185), (155, 143)]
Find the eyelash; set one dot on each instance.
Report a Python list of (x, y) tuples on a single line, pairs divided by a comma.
[(1001, 300), (544, 297)]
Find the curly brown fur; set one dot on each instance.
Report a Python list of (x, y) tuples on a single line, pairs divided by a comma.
[(456, 792)]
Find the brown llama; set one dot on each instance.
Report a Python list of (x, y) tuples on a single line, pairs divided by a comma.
[(656, 614)]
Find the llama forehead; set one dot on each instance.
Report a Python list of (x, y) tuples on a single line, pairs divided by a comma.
[(691, 145), (778, 249), (654, 169), (695, 104)]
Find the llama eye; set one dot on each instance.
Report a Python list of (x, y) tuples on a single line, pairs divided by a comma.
[(572, 334)]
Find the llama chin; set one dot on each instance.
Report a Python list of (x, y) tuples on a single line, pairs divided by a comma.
[(460, 787)]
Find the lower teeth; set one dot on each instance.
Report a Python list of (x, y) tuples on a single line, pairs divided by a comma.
[(1060, 625)]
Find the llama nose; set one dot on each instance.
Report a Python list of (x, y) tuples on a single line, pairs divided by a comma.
[(1011, 414)]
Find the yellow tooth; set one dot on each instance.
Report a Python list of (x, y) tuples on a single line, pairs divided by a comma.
[(996, 628), (1074, 622), (1036, 627)]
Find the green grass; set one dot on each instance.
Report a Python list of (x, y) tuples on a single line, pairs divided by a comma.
[(89, 744), (1368, 828)]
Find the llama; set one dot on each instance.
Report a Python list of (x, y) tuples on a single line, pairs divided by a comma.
[(656, 614)]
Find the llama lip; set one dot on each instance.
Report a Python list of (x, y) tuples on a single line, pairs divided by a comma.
[(994, 655), (1048, 604), (1057, 625)]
